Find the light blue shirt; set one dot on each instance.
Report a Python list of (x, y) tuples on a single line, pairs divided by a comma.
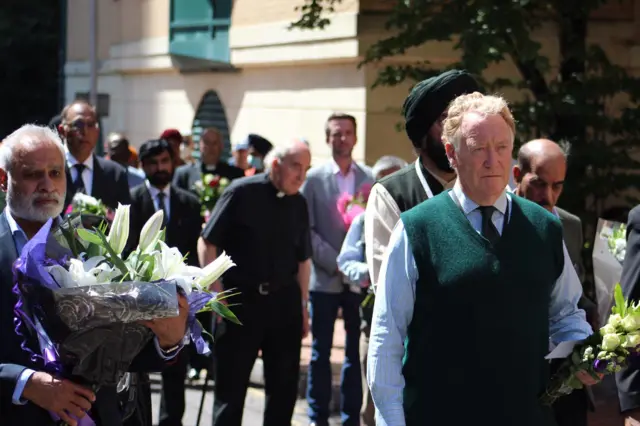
[(395, 299), (20, 240), (351, 260)]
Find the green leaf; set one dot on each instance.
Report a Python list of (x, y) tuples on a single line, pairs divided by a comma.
[(222, 310), (112, 256), (88, 236), (369, 300), (621, 303)]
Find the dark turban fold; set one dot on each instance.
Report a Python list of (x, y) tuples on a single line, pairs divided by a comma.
[(431, 97)]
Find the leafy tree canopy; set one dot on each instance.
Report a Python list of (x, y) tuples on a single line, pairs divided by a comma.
[(567, 101)]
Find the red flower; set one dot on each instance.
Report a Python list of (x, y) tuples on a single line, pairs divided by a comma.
[(215, 182)]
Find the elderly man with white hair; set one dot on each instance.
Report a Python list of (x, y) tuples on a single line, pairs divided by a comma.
[(474, 286), (32, 174)]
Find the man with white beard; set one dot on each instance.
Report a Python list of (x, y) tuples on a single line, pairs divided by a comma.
[(32, 174)]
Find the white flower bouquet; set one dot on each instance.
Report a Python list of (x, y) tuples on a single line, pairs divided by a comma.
[(84, 300), (86, 204), (609, 250), (602, 353)]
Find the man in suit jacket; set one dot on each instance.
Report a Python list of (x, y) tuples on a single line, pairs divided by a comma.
[(183, 226), (329, 289), (210, 151), (102, 179), (539, 175), (32, 175), (628, 380)]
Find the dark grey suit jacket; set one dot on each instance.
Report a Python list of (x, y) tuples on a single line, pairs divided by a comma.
[(574, 240), (110, 183), (628, 379)]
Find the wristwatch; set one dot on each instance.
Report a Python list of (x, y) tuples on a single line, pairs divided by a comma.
[(171, 351)]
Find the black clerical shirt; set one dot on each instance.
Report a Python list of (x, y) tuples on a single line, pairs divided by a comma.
[(266, 233)]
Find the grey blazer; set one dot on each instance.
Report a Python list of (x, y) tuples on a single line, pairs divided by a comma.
[(327, 228)]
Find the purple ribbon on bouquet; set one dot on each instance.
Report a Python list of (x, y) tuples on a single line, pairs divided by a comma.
[(31, 265), (197, 300)]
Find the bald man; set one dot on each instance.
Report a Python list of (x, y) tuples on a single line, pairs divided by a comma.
[(539, 176), (262, 222)]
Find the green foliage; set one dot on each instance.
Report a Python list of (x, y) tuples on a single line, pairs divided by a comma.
[(567, 102)]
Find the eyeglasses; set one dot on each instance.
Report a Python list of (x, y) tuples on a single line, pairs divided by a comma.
[(81, 125)]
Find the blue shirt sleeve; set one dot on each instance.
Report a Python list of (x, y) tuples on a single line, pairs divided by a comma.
[(20, 385), (392, 313), (351, 260), (163, 354)]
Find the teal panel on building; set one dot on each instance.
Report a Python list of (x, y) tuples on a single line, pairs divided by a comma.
[(200, 29)]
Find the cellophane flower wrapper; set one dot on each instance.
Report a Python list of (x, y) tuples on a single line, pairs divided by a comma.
[(93, 331), (609, 249), (605, 352)]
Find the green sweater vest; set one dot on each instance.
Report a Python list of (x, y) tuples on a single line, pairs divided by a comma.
[(476, 344)]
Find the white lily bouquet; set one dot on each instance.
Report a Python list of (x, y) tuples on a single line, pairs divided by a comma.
[(609, 250), (602, 353), (84, 299)]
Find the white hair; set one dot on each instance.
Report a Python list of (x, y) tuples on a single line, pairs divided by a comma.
[(278, 153), (474, 102), (387, 162), (28, 136)]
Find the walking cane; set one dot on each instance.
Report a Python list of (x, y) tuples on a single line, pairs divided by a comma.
[(208, 376), (204, 394)]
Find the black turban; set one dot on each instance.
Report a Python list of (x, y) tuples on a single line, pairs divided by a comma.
[(431, 97), (261, 145)]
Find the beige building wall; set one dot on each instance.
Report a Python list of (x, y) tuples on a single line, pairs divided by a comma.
[(278, 103), (287, 81)]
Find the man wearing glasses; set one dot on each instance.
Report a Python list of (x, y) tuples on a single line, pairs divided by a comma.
[(102, 179)]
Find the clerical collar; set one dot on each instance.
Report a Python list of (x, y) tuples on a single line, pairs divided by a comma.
[(278, 193), (209, 167)]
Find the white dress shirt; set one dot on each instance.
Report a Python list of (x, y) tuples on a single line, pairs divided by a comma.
[(87, 173), (381, 217), (395, 299), (153, 192), (346, 183)]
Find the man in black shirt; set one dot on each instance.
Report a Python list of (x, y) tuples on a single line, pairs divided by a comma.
[(272, 255)]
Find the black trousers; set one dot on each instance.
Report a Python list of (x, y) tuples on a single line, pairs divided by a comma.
[(271, 323), (571, 410), (141, 415), (172, 397)]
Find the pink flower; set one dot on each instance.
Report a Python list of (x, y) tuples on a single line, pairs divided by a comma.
[(352, 212), (343, 202), (365, 190), (110, 215), (69, 209)]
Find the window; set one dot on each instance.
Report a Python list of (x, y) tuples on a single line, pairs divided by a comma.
[(200, 29), (210, 113)]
